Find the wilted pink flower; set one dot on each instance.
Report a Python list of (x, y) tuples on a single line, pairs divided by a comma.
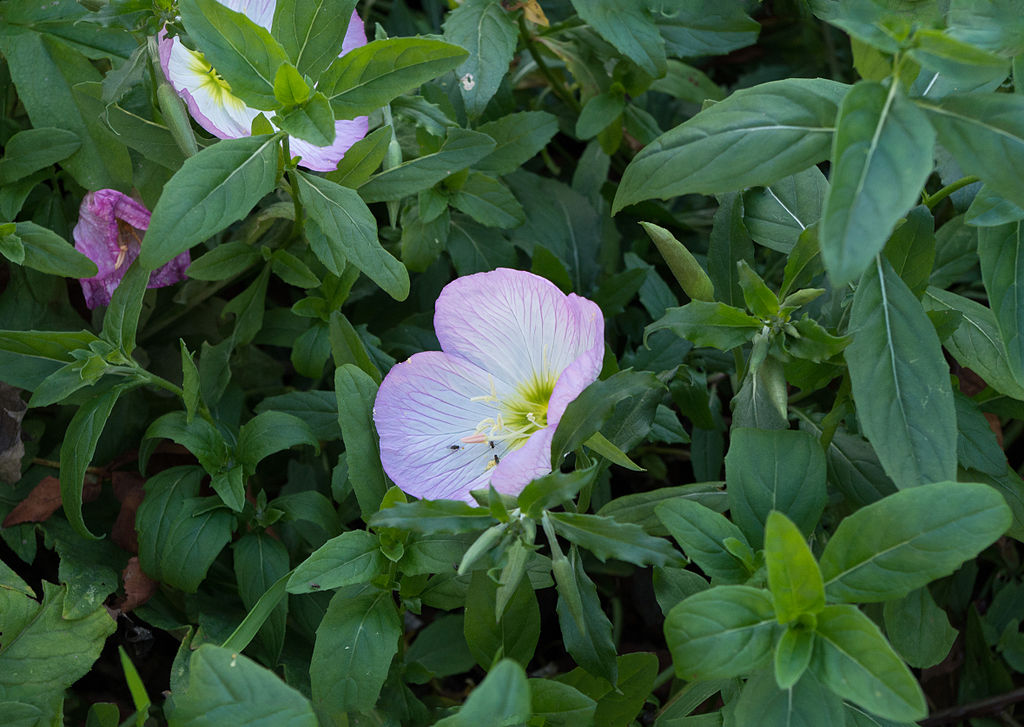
[(109, 232), (226, 116), (515, 352)]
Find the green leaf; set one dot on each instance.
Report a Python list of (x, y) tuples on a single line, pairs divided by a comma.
[(559, 704), (489, 202), (290, 89), (501, 700), (985, 133), (793, 575), (241, 51), (598, 112), (461, 148), (901, 381), (439, 650), (853, 659), (43, 653), (433, 516), (989, 209), (101, 161), (474, 248), (904, 541), (488, 32), (260, 561), (514, 635), (349, 225), (702, 532), (48, 252), (591, 409), (640, 507), (199, 436), (776, 215), (1001, 251), (30, 150), (312, 120), (723, 632), (976, 343), (225, 687), (588, 640), (715, 325), (269, 432), (362, 159), (355, 392), (620, 703), (976, 445), (368, 77), (753, 138), (214, 188), (179, 534), (793, 653), (705, 29), (911, 249), (918, 629), (606, 538), (242, 636), (350, 558), (76, 451), (774, 470), (121, 321), (318, 409), (554, 489), (630, 28), (312, 31), (355, 643), (224, 261), (518, 138), (47, 345), (807, 702), (881, 157)]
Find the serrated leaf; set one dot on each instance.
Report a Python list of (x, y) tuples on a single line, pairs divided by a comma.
[(630, 28), (702, 533), (793, 575), (311, 31), (350, 558), (703, 323), (606, 538)]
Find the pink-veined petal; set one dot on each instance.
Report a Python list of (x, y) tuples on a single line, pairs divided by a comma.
[(326, 158), (423, 410), (519, 467), (515, 325), (260, 12), (584, 370)]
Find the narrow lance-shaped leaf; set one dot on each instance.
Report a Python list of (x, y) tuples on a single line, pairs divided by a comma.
[(606, 538), (488, 31), (216, 187), (793, 575), (904, 541), (754, 137), (1001, 251), (356, 391), (881, 157), (900, 381)]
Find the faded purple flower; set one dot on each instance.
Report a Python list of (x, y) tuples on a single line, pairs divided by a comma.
[(109, 232), (226, 116), (515, 352)]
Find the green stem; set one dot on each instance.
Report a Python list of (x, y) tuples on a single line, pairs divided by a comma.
[(663, 677), (160, 382), (930, 201), (556, 86), (293, 182)]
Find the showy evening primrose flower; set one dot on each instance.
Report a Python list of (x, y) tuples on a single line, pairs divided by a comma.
[(224, 115), (515, 352), (109, 232)]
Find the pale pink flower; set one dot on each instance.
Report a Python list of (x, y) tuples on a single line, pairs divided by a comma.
[(216, 109), (515, 352)]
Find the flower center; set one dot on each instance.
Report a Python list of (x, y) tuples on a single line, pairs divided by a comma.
[(518, 415), (212, 82)]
